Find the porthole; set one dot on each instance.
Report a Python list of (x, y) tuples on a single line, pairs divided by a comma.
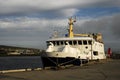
[(86, 47)]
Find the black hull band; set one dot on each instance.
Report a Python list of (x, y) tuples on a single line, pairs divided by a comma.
[(53, 61)]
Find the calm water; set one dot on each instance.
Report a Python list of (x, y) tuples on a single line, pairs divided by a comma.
[(20, 62)]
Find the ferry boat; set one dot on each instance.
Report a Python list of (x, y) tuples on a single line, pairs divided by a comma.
[(73, 48)]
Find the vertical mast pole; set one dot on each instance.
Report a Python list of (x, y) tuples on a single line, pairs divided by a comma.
[(70, 30)]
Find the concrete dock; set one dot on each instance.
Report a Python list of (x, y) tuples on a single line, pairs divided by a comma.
[(107, 70)]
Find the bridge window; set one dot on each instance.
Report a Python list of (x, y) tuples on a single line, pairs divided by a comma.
[(80, 42), (61, 42), (74, 42), (65, 43), (70, 42), (84, 42), (57, 42), (53, 42), (89, 42), (48, 43)]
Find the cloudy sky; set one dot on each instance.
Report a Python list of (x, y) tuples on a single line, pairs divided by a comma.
[(28, 23)]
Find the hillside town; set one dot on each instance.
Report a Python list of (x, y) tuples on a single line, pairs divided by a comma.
[(10, 50)]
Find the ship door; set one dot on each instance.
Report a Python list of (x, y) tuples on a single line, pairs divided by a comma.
[(90, 43), (88, 49), (78, 53), (79, 49)]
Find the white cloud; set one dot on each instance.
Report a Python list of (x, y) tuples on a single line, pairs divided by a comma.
[(69, 12)]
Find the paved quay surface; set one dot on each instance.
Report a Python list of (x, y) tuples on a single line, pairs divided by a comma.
[(108, 70)]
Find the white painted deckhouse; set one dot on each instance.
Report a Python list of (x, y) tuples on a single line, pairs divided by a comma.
[(73, 48)]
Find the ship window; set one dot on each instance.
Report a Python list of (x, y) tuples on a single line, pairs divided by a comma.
[(65, 43), (48, 43), (85, 42), (57, 42), (80, 42), (74, 42), (95, 53), (89, 42), (61, 42), (53, 42), (70, 42)]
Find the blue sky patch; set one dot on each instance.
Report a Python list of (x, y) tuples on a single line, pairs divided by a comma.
[(97, 11)]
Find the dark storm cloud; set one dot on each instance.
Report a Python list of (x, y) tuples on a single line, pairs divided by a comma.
[(115, 25), (107, 25)]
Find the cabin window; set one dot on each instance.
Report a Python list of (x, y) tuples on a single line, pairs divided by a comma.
[(53, 42), (65, 43), (84, 42), (74, 42), (48, 43), (70, 42), (61, 42), (89, 42), (80, 42), (95, 53), (57, 42)]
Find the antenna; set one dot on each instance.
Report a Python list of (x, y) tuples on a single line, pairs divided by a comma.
[(75, 19), (55, 34)]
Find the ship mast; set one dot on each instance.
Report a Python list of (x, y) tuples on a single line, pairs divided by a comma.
[(70, 30)]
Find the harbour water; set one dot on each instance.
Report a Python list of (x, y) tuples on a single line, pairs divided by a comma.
[(20, 62)]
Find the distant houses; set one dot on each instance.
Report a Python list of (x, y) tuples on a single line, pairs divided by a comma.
[(10, 50)]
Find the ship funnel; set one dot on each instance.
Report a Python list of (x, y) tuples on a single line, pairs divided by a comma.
[(109, 52)]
